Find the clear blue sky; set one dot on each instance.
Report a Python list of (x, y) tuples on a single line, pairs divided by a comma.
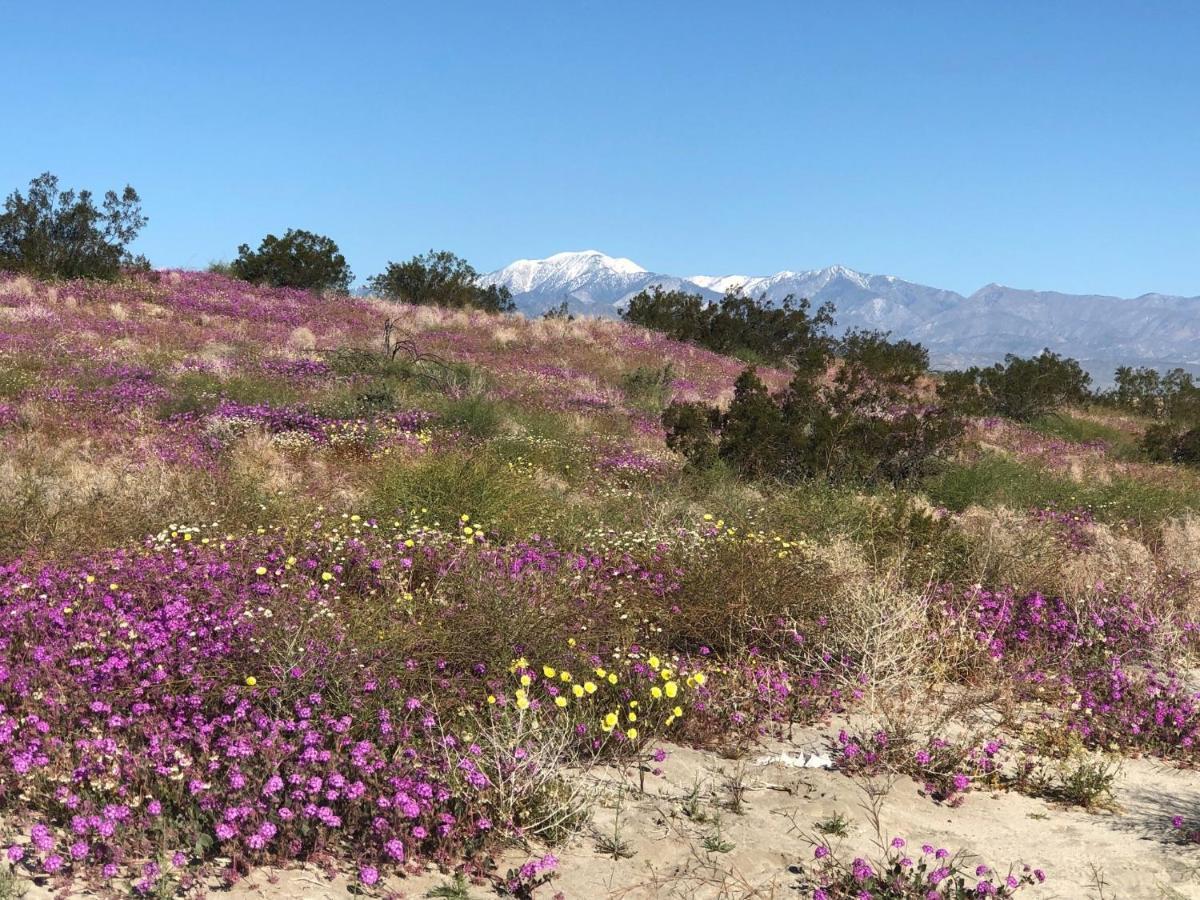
[(1039, 144)]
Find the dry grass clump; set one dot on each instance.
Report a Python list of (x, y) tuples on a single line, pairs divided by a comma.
[(301, 338), (1007, 548), (1118, 561), (53, 494), (1181, 544)]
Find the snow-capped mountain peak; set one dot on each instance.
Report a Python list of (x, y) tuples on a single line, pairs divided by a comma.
[(584, 279), (594, 259), (561, 269)]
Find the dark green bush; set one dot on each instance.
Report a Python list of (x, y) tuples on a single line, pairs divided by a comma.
[(1165, 443), (1020, 389), (739, 325), (440, 278), (1158, 442), (62, 234), (902, 361), (1173, 396), (649, 386), (692, 430), (855, 429), (299, 259), (1187, 448)]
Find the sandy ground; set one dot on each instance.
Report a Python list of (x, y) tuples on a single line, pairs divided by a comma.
[(1128, 853)]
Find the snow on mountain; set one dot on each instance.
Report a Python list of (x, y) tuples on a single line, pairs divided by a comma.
[(721, 283), (1101, 332), (564, 270), (589, 282)]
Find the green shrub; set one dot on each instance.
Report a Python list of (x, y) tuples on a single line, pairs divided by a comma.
[(299, 259), (496, 496), (649, 386), (739, 325), (900, 362), (53, 233), (692, 430), (1164, 443), (1173, 396), (440, 278), (1159, 441), (1020, 389), (475, 415), (855, 430)]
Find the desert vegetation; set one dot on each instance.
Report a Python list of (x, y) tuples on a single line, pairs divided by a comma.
[(404, 588)]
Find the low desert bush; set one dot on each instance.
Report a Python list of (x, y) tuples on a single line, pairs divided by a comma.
[(451, 484)]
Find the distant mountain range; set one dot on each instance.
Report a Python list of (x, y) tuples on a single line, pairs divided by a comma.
[(1101, 332)]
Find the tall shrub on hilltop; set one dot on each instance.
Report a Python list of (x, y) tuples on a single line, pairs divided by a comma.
[(440, 278), (1019, 388), (52, 233), (738, 325), (299, 259)]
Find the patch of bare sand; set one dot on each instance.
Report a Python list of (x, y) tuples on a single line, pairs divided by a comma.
[(1127, 854)]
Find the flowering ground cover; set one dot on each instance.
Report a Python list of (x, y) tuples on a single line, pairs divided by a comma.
[(271, 594)]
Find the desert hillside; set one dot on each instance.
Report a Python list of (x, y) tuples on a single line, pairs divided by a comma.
[(308, 596)]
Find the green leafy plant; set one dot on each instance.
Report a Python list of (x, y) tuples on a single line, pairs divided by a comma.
[(63, 234), (440, 278), (739, 325), (299, 259), (854, 429), (1019, 388)]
